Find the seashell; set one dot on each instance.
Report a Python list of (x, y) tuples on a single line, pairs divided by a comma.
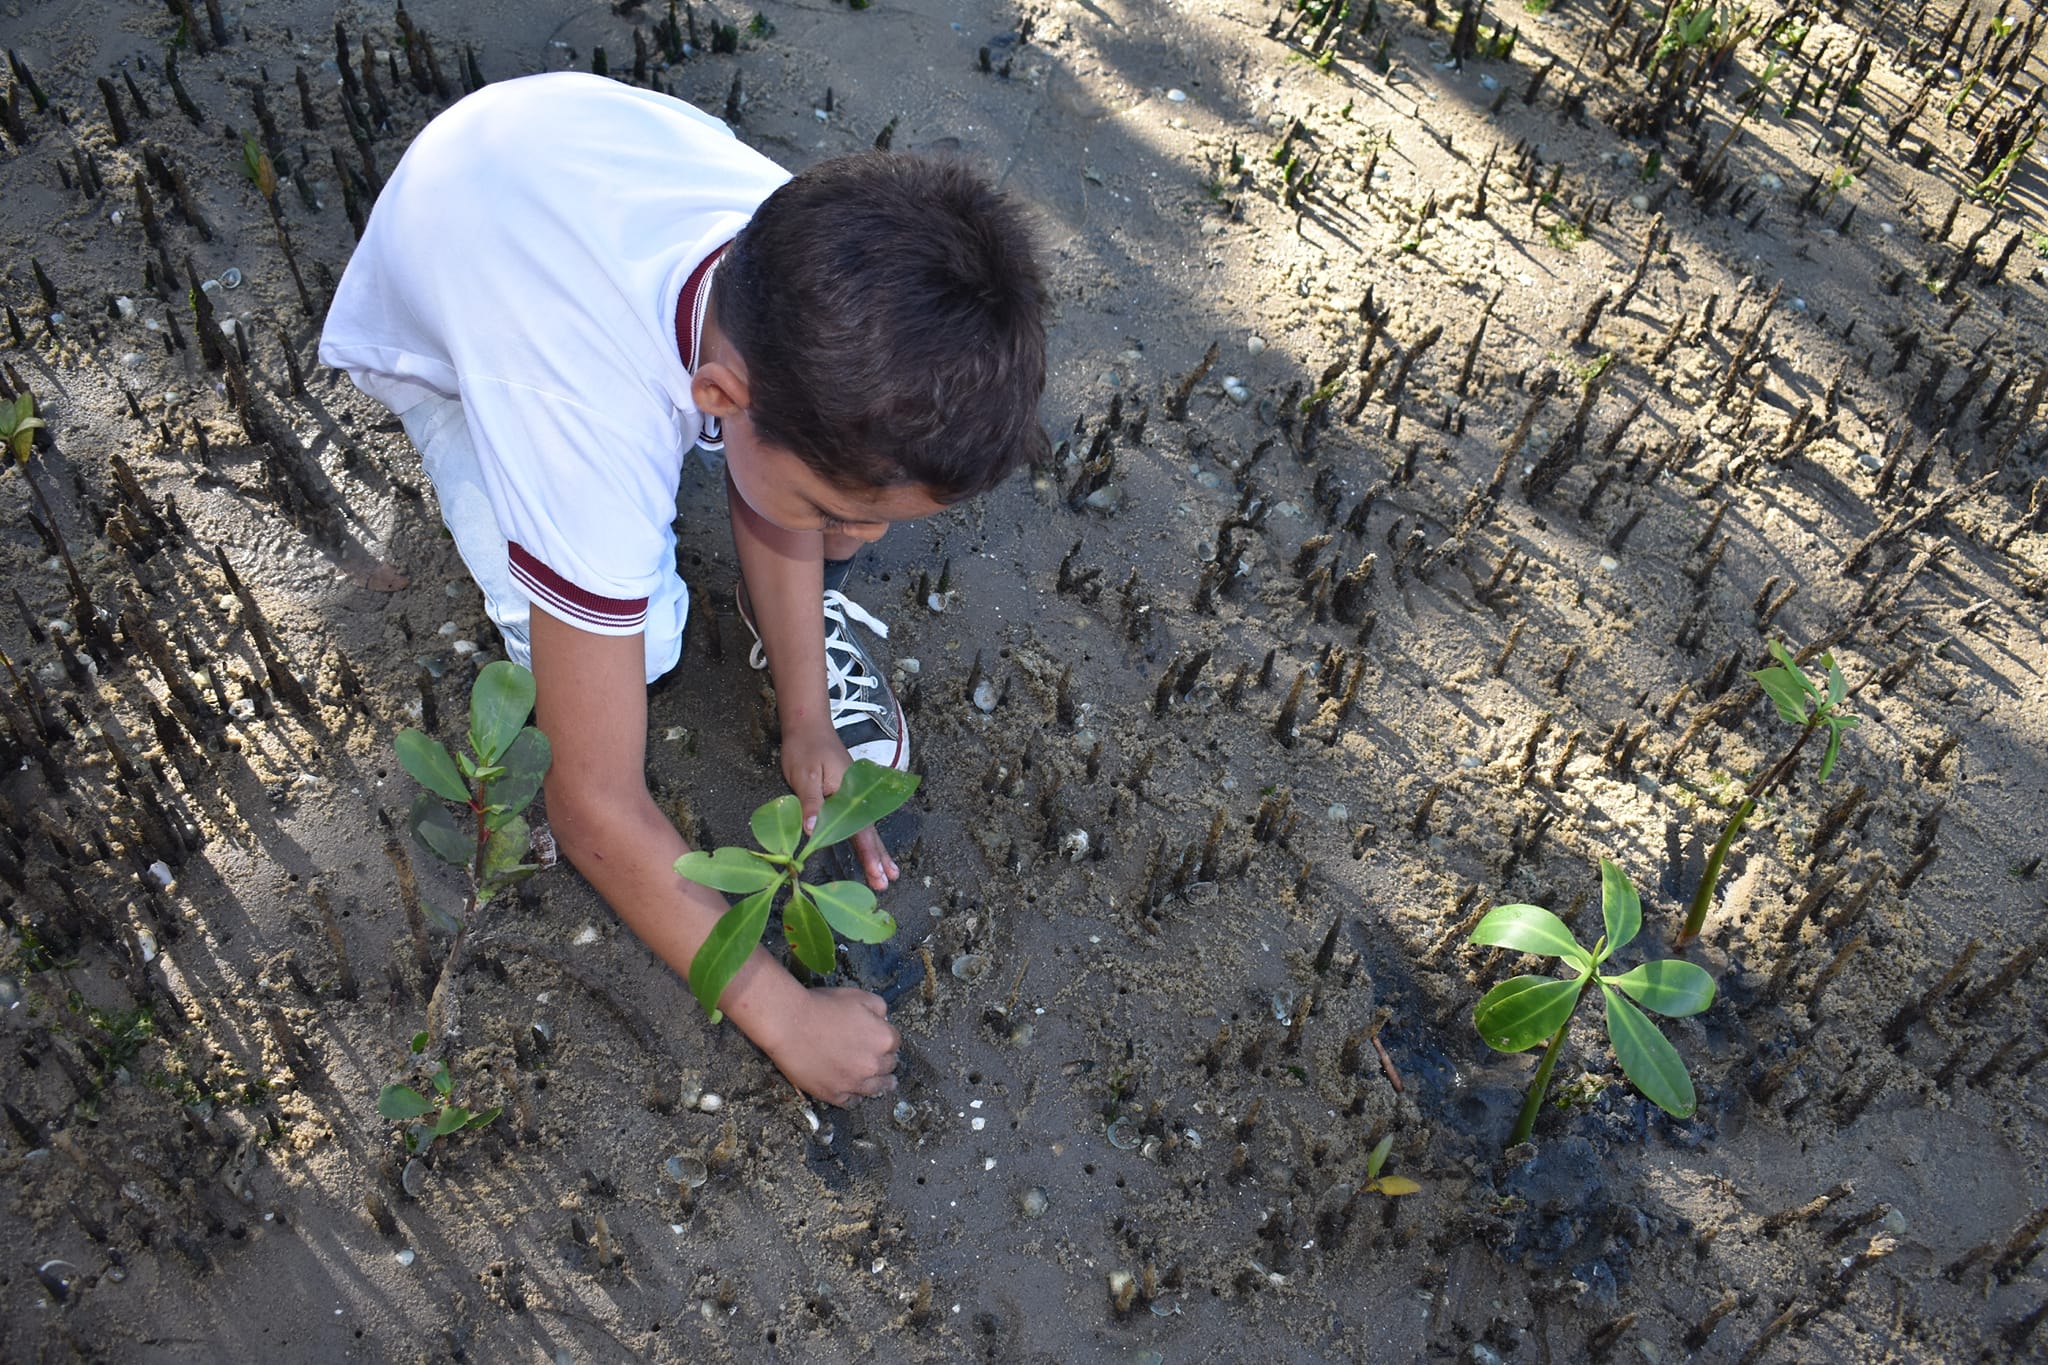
[(209, 287), (985, 696), (1033, 1203), (231, 277), (687, 1171), (405, 1257), (1177, 96), (1255, 344), (1123, 1134), (969, 966), (710, 1103), (413, 1179), (124, 307)]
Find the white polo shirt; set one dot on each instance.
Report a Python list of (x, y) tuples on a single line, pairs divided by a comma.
[(541, 254)]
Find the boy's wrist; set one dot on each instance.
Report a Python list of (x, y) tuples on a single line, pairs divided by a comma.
[(766, 1003)]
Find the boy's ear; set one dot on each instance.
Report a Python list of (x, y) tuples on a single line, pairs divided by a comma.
[(719, 389)]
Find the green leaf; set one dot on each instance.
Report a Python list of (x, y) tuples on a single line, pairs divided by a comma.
[(1378, 1156), (1834, 751), (507, 846), (1783, 655), (1670, 987), (499, 704), (443, 921), (849, 907), (450, 1120), (866, 793), (1621, 910), (1525, 1010), (526, 764), (1647, 1058), (419, 1042), (1530, 929), (479, 1120), (1838, 686), (1788, 691), (725, 951), (737, 870), (401, 1102), (778, 825), (806, 931), (430, 766), (1394, 1186), (434, 827), (443, 1082)]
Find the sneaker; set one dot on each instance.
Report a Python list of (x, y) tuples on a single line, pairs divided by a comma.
[(864, 710)]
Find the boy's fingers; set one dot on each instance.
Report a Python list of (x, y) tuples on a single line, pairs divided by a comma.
[(874, 859)]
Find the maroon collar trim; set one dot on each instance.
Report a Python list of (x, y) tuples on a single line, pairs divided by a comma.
[(691, 306)]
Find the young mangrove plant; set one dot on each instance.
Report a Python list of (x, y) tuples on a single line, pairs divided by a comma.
[(429, 1118), (812, 911), (495, 780), (1526, 1010), (1799, 703), (1386, 1186)]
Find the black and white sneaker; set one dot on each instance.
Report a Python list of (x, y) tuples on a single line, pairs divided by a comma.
[(864, 710)]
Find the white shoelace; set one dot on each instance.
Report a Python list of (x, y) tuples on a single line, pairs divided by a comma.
[(845, 678)]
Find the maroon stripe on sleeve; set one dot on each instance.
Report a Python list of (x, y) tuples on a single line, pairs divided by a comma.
[(573, 604)]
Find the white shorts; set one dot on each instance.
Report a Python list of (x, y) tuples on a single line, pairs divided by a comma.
[(440, 431)]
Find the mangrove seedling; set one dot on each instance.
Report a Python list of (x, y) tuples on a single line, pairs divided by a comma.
[(1390, 1186), (429, 1118), (812, 911), (494, 780), (1799, 703), (1525, 1010)]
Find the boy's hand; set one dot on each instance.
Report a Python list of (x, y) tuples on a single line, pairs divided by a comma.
[(813, 763), (840, 1047)]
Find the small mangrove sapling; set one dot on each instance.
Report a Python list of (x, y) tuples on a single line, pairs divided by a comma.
[(494, 781), (1799, 703), (438, 1115), (812, 911), (1526, 1010)]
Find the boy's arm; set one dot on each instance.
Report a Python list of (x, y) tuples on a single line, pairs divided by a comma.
[(785, 579), (591, 702)]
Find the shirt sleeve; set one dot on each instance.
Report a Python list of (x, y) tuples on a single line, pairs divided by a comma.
[(585, 500)]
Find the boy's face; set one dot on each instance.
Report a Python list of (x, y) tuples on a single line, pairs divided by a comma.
[(788, 494)]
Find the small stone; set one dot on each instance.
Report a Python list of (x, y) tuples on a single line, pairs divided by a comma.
[(1033, 1203), (125, 308), (405, 1257), (1338, 813), (710, 1102), (1255, 344), (1608, 563), (1177, 96), (160, 876), (985, 696)]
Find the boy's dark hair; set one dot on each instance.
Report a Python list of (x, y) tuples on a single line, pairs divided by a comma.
[(887, 309)]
